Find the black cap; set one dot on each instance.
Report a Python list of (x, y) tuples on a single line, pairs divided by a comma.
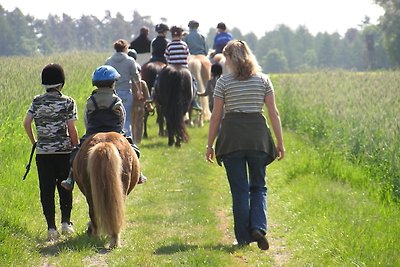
[(221, 26), (162, 27), (53, 74)]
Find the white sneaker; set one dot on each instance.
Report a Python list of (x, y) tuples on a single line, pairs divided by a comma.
[(67, 228), (52, 234)]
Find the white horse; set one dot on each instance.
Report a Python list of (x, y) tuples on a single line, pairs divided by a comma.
[(200, 68)]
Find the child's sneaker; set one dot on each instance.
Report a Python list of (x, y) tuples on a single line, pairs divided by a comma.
[(67, 228), (142, 179), (68, 184), (52, 234)]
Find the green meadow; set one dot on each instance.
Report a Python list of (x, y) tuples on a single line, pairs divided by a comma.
[(333, 200)]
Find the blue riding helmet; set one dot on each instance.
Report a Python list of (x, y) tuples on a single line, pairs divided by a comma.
[(105, 73)]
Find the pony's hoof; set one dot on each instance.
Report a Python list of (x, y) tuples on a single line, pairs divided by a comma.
[(115, 242), (90, 230)]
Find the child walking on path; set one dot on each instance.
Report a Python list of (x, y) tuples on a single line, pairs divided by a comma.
[(54, 115)]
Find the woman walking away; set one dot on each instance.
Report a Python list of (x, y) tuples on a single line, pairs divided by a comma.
[(54, 115), (244, 144)]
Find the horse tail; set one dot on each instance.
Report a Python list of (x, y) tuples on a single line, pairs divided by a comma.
[(175, 91), (105, 170)]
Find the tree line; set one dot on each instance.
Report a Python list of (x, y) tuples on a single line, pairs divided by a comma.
[(367, 47)]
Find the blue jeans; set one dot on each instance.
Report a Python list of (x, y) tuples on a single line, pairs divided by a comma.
[(127, 100), (246, 175)]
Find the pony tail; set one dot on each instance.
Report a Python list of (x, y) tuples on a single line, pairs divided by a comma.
[(105, 169)]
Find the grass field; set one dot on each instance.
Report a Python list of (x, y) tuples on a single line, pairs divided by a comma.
[(324, 208)]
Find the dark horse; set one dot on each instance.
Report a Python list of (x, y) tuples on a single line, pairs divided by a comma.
[(174, 95), (106, 170), (149, 73)]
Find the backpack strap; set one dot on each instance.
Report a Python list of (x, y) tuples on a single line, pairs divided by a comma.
[(113, 103), (94, 102)]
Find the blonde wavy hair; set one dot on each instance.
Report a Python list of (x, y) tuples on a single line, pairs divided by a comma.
[(244, 63)]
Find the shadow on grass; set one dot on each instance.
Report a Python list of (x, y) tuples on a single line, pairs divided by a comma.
[(155, 144), (177, 247), (74, 243)]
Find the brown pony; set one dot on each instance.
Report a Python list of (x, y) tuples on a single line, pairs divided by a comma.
[(106, 170), (149, 72), (200, 68)]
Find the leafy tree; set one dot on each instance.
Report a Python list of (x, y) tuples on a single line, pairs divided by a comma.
[(303, 43), (275, 62), (4, 32), (390, 23), (325, 50), (88, 34), (251, 40), (20, 38), (237, 34), (115, 28), (279, 50), (310, 60)]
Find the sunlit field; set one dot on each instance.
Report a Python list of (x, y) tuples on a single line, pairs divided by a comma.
[(351, 116), (333, 201)]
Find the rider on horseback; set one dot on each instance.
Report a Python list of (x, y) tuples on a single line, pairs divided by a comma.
[(195, 40), (104, 112), (177, 53), (159, 44)]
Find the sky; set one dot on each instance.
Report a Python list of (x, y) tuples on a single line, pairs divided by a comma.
[(257, 16)]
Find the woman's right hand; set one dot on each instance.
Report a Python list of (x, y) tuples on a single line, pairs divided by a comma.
[(210, 154)]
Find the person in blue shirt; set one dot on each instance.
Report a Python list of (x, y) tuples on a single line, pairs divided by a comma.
[(221, 38), (195, 40)]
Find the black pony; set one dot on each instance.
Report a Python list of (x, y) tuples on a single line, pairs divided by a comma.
[(173, 93)]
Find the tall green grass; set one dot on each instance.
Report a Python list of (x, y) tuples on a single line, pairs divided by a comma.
[(351, 116)]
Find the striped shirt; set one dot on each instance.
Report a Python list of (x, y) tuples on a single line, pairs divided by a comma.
[(177, 52), (245, 96)]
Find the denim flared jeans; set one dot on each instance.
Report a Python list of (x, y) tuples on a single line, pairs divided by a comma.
[(246, 172), (127, 100)]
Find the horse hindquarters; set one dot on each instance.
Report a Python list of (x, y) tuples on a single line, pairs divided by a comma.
[(105, 170), (174, 94)]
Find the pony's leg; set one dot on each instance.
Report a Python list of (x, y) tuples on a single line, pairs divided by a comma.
[(170, 139), (170, 133), (178, 141), (161, 123), (188, 118), (92, 227), (146, 115), (115, 241)]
